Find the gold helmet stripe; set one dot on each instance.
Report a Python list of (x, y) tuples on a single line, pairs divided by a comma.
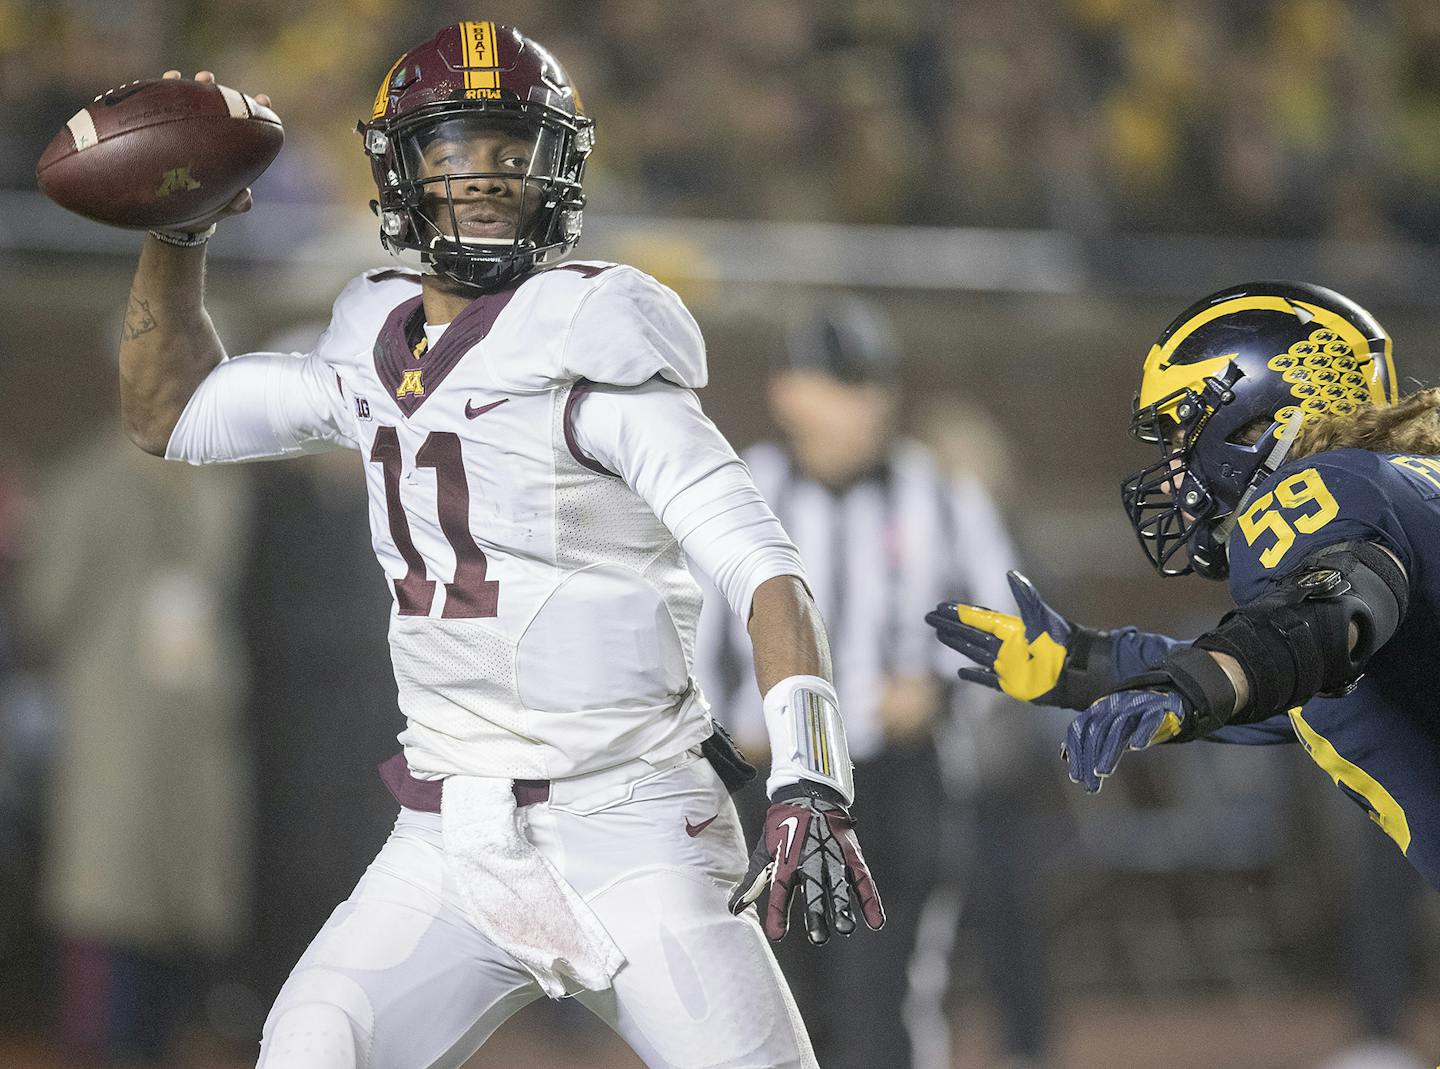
[(482, 65), (1161, 378)]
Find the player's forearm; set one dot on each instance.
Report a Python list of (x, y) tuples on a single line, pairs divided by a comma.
[(168, 344), (1230, 699), (787, 633), (809, 753), (1236, 675)]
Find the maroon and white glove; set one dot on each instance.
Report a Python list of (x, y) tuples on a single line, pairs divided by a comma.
[(809, 845)]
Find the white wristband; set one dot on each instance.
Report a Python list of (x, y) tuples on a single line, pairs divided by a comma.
[(184, 239), (807, 736)]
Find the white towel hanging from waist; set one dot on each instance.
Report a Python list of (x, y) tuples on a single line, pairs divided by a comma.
[(516, 897)]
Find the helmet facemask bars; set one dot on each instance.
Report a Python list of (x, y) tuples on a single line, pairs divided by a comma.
[(1169, 506), (458, 173)]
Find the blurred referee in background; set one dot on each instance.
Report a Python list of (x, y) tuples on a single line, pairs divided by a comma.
[(884, 532)]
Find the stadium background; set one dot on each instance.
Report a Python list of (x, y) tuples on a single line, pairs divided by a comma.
[(1033, 189)]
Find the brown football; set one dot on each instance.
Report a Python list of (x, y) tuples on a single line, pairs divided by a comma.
[(159, 153)]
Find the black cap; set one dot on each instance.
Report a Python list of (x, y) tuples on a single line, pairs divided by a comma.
[(850, 338)]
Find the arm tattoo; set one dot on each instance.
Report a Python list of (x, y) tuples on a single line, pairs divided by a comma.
[(138, 319)]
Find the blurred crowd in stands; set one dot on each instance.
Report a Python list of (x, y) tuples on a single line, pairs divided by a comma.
[(1288, 117)]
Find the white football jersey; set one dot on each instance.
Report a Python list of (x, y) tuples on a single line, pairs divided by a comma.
[(544, 618)]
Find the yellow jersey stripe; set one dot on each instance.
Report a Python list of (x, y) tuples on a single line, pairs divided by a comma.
[(1384, 810)]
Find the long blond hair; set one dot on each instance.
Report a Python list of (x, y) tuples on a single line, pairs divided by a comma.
[(1410, 425)]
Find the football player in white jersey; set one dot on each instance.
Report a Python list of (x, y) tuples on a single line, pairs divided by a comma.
[(538, 466)]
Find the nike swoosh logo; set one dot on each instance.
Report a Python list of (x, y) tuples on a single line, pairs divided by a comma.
[(474, 413), (791, 826), (693, 830)]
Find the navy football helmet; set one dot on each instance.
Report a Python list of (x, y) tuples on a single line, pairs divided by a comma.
[(1224, 391)]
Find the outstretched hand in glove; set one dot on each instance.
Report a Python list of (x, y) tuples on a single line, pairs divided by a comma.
[(808, 849), (1038, 656), (1124, 720)]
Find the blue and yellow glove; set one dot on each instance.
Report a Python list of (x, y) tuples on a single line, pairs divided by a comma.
[(1038, 656), (1189, 696), (1124, 720)]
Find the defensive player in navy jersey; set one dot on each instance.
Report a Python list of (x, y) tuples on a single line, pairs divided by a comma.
[(1287, 464)]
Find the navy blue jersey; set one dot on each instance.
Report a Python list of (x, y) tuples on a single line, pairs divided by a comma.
[(1381, 742)]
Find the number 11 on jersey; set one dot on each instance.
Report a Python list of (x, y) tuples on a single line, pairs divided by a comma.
[(471, 595)]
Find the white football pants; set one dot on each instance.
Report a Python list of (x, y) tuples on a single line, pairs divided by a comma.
[(400, 979)]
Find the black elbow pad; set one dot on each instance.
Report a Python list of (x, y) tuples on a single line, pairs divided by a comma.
[(1295, 642)]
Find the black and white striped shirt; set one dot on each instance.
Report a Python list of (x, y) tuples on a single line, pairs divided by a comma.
[(878, 554)]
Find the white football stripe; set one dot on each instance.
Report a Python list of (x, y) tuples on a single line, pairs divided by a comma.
[(82, 129), (235, 101)]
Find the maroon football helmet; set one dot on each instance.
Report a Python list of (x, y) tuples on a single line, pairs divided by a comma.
[(477, 143)]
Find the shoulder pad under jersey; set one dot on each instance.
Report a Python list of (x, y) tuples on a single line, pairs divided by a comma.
[(1310, 503), (608, 323), (360, 311)]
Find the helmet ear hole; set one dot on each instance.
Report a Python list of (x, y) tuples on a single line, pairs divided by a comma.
[(1251, 432)]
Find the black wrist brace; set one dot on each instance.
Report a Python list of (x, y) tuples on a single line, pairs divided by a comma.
[(1089, 671), (1208, 691)]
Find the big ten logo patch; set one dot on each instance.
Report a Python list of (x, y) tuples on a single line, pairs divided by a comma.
[(362, 408)]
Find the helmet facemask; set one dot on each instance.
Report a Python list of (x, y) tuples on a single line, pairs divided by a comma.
[(1169, 504), (454, 173), (1191, 496)]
